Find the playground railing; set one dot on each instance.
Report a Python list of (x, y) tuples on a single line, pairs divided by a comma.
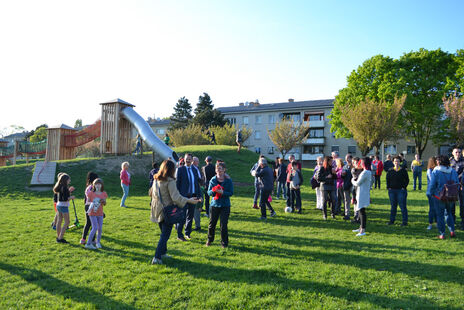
[(7, 151), (26, 147)]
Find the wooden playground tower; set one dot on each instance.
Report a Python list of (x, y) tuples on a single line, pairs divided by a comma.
[(114, 131), (3, 143)]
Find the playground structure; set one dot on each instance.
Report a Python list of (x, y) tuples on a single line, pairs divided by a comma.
[(118, 118)]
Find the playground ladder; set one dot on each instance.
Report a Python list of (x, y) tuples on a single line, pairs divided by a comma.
[(44, 173)]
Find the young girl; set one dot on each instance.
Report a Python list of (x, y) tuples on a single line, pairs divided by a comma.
[(125, 182), (55, 201), (319, 161), (97, 198), (62, 190), (91, 176)]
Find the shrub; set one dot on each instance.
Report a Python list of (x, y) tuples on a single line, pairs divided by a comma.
[(190, 135), (91, 149), (225, 135)]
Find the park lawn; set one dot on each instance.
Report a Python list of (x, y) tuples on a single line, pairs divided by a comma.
[(291, 261)]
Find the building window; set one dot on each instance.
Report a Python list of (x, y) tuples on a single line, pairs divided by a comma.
[(352, 149), (411, 149), (335, 148), (390, 149), (258, 119), (292, 116), (316, 133), (245, 120), (272, 119), (313, 149), (314, 117), (257, 134), (232, 120), (160, 131)]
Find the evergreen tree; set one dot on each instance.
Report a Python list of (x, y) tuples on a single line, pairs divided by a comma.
[(182, 114), (205, 114), (204, 103)]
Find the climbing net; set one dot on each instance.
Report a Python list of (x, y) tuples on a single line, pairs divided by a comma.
[(83, 136)]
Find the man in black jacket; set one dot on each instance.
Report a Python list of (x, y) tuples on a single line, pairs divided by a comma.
[(266, 182), (397, 182), (208, 171), (457, 163)]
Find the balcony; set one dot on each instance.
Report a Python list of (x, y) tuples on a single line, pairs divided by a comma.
[(315, 124), (311, 156), (315, 141)]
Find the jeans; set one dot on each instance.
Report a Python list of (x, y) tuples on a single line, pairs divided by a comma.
[(338, 205), (257, 192), (221, 213), (88, 224), (162, 248), (97, 224), (125, 190), (264, 202), (432, 209), (417, 175), (295, 199), (281, 187), (461, 207), (189, 210), (377, 181), (326, 196), (398, 197), (346, 196), (443, 211)]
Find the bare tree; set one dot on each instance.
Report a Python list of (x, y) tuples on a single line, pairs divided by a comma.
[(372, 122), (286, 135), (454, 109)]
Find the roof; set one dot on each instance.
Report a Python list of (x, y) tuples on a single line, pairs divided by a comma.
[(18, 135), (62, 126), (117, 100), (325, 103), (160, 122)]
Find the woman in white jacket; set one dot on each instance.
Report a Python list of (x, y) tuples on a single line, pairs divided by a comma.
[(363, 194)]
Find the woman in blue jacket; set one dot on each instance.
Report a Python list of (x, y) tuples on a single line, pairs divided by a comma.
[(220, 188), (440, 176)]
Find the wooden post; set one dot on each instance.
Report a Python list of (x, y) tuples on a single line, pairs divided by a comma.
[(15, 154)]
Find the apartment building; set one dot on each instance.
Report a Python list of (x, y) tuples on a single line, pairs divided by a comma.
[(263, 117)]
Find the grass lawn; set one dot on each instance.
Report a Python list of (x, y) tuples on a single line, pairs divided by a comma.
[(291, 261)]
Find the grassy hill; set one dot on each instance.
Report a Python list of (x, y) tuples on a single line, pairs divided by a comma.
[(288, 262)]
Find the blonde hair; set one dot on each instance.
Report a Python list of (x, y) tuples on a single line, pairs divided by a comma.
[(339, 162), (124, 164)]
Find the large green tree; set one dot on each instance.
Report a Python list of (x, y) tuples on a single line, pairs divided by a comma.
[(40, 134), (374, 79), (204, 103), (182, 114), (423, 76)]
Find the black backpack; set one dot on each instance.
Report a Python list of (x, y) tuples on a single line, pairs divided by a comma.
[(450, 191)]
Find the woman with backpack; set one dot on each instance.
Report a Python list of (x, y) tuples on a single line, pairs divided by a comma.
[(444, 186)]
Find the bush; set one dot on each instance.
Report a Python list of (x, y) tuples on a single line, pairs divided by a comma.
[(190, 135), (91, 149), (226, 134)]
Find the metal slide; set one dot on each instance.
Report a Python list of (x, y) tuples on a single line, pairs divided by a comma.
[(147, 134)]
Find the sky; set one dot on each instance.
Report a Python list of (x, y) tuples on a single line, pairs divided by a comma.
[(60, 59)]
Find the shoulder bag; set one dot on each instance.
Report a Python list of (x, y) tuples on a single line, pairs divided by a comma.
[(173, 214)]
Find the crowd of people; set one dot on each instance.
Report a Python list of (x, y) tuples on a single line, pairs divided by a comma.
[(336, 182)]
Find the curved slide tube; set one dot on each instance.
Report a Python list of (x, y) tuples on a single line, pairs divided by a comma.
[(147, 134)]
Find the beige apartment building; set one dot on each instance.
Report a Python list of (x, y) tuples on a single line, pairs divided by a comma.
[(263, 117)]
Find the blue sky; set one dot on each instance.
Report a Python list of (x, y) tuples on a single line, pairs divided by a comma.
[(59, 59)]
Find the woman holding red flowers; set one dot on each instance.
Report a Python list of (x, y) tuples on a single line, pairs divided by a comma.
[(221, 188)]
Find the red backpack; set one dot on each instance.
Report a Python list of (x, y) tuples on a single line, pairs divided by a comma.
[(450, 191)]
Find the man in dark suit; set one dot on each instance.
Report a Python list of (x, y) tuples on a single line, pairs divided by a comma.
[(208, 171), (187, 180)]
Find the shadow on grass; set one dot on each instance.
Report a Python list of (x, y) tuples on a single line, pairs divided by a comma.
[(274, 278), (421, 270), (56, 286)]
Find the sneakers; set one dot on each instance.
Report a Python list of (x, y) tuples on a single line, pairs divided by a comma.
[(90, 246), (181, 239), (404, 224), (346, 218), (452, 234), (123, 206), (61, 241), (98, 245), (360, 234), (255, 206), (429, 227), (166, 256), (333, 216), (324, 217), (263, 218), (82, 241), (187, 237), (156, 261), (355, 230), (208, 243), (272, 214), (442, 237)]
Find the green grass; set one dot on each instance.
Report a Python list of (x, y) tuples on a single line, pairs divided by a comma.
[(289, 262)]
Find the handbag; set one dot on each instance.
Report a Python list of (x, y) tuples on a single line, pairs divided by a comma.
[(173, 214)]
